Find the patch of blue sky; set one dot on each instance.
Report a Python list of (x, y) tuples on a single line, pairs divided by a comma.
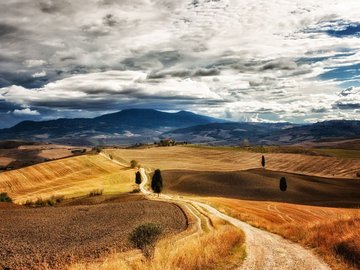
[(343, 73), (310, 60), (337, 28), (352, 29), (351, 83)]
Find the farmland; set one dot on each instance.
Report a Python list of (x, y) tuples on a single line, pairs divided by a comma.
[(231, 159), (232, 181), (319, 189), (18, 154), (70, 177), (87, 230), (334, 233), (259, 184)]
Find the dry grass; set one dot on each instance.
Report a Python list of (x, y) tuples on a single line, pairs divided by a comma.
[(204, 251), (71, 177), (333, 232), (228, 159), (87, 229)]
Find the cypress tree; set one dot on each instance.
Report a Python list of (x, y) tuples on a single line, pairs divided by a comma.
[(138, 178), (263, 161), (283, 184), (156, 182)]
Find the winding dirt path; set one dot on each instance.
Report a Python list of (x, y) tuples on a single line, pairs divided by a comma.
[(264, 250)]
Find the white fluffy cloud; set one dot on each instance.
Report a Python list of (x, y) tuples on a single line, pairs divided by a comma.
[(39, 74), (272, 60), (26, 111)]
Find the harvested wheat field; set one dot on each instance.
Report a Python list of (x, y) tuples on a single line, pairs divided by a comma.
[(231, 159), (15, 155), (86, 231), (334, 233), (74, 176), (259, 184)]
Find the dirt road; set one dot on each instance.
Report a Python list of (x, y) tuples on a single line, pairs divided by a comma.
[(264, 250)]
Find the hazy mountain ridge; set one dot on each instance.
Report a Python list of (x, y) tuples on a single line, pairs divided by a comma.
[(148, 125)]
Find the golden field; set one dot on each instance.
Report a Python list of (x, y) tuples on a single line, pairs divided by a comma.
[(334, 233), (214, 245), (228, 159), (70, 177)]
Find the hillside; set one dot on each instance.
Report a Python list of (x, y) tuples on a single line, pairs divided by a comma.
[(72, 176), (133, 126), (263, 185), (267, 133), (235, 159)]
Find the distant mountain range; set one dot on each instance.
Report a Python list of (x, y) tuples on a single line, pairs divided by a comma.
[(147, 125)]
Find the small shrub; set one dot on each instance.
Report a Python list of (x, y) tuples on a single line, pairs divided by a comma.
[(145, 236), (40, 202), (134, 163), (96, 150), (58, 198), (4, 197), (96, 192)]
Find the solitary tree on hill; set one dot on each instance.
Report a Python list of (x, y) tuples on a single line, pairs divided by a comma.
[(283, 184), (138, 178), (156, 182), (263, 161)]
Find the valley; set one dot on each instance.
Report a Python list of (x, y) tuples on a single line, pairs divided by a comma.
[(208, 186)]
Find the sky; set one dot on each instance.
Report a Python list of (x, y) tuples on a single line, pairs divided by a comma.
[(242, 60)]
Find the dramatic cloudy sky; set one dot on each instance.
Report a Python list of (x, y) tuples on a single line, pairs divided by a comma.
[(248, 60)]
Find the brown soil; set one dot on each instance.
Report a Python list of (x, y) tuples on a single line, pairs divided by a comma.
[(82, 231), (263, 185)]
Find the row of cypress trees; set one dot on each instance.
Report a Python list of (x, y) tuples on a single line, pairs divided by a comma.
[(282, 183), (157, 182)]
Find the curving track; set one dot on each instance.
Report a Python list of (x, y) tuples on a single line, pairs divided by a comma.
[(264, 250)]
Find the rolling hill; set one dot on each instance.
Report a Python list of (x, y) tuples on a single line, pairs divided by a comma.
[(263, 185), (70, 177)]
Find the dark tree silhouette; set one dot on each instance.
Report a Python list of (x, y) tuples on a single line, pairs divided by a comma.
[(156, 182), (283, 184), (138, 178), (263, 161)]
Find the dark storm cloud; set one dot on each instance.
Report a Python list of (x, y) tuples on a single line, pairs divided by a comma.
[(6, 29), (53, 6), (25, 79), (282, 64), (347, 106), (184, 73), (165, 59), (110, 20), (206, 72)]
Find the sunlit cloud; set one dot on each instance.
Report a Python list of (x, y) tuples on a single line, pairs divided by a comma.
[(243, 60)]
